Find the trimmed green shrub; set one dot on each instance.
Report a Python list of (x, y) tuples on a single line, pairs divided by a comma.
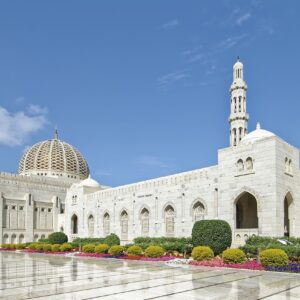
[(39, 247), (101, 248), (236, 256), (154, 251), (273, 258), (170, 244), (89, 248), (111, 240), (57, 238), (213, 233), (47, 247), (7, 246), (84, 241), (202, 253), (116, 250), (32, 246), (43, 241), (134, 250), (20, 246), (55, 248), (66, 247)]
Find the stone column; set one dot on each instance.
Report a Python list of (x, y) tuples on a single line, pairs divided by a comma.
[(29, 219), (1, 217), (55, 212)]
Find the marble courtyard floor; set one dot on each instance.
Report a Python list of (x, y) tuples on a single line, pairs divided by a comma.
[(37, 276)]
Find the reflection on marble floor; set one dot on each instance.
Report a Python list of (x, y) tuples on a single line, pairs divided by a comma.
[(31, 276)]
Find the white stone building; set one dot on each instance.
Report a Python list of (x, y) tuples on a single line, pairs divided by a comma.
[(254, 187)]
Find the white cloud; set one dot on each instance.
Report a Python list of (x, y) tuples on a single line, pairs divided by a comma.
[(170, 78), (37, 110), (171, 24), (151, 161), (243, 18), (15, 128)]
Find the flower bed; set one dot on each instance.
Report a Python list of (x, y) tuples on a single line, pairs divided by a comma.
[(291, 267), (218, 262)]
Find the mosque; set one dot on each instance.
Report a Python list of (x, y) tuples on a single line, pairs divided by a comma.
[(255, 187)]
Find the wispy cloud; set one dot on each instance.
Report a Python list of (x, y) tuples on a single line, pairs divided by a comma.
[(37, 110), (171, 78), (243, 18), (170, 24), (151, 161), (15, 128)]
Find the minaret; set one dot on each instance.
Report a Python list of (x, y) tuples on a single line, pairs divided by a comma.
[(238, 118)]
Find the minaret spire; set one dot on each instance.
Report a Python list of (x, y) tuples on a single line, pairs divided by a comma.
[(238, 118), (56, 133)]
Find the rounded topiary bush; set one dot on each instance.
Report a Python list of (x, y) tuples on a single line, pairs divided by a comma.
[(202, 253), (215, 234), (20, 246), (236, 256), (6, 246), (134, 250), (47, 247), (57, 238), (154, 251), (32, 246), (101, 248), (88, 248), (111, 240), (66, 247), (116, 250), (39, 247), (273, 258), (55, 248)]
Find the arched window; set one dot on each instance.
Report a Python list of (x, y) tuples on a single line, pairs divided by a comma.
[(61, 229), (106, 224), (246, 211), (170, 220), (249, 163), (13, 239), (91, 225), (5, 239), (42, 237), (74, 224), (240, 165), (198, 211), (36, 238), (21, 238), (124, 225), (286, 165), (145, 221), (288, 204)]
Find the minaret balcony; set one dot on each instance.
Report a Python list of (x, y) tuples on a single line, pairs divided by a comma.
[(238, 116)]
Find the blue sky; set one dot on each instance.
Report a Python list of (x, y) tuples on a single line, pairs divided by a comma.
[(141, 87)]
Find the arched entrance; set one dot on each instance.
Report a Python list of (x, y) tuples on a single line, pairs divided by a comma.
[(288, 204), (74, 224), (246, 211)]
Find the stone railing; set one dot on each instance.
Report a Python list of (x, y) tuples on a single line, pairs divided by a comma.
[(241, 235)]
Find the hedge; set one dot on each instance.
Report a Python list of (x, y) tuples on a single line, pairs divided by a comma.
[(213, 233), (110, 240)]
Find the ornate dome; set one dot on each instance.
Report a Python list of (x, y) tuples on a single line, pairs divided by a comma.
[(54, 158), (256, 135)]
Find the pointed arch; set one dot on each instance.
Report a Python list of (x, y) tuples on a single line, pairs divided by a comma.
[(91, 225), (246, 210), (106, 223), (144, 217), (198, 209), (124, 217), (169, 216), (288, 218), (74, 224)]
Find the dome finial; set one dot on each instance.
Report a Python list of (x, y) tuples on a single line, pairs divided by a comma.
[(56, 133), (258, 126), (238, 58)]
